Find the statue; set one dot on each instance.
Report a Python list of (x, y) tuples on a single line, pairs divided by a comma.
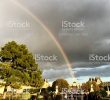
[(56, 90), (91, 90)]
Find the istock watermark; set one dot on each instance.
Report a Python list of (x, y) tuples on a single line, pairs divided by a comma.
[(99, 59), (15, 25), (73, 28), (69, 26), (46, 58), (18, 24)]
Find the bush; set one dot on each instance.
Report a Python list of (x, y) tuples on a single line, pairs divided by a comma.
[(103, 93)]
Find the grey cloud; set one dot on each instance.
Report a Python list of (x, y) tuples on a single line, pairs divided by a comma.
[(58, 73), (98, 71), (95, 14)]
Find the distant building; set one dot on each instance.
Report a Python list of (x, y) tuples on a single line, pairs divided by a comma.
[(96, 79), (75, 85), (46, 84)]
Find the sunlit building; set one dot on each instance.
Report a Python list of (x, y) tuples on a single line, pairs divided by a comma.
[(46, 84)]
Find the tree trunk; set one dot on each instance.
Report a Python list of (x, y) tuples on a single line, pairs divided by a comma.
[(4, 94)]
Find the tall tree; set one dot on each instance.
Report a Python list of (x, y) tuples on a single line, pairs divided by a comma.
[(61, 83), (18, 66)]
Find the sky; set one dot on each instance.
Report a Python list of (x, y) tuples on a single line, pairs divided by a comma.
[(81, 27)]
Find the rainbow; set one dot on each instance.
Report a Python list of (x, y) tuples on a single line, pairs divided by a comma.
[(49, 33)]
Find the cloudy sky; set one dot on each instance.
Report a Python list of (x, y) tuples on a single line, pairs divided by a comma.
[(25, 20)]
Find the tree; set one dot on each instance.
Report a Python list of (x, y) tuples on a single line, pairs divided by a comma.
[(86, 86), (103, 93), (18, 66), (61, 83)]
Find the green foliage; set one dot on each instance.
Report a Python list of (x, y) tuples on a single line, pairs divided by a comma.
[(50, 89), (86, 86), (18, 66), (103, 93), (61, 83)]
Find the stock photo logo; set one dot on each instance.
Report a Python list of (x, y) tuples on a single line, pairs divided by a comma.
[(18, 24), (72, 26), (15, 25), (46, 58), (99, 59)]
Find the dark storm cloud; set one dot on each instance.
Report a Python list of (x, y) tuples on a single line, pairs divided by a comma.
[(95, 15)]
